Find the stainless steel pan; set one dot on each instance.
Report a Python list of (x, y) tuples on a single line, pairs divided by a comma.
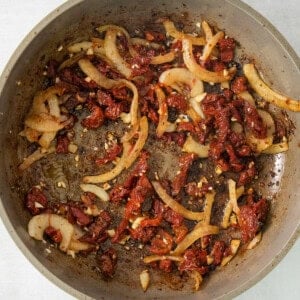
[(74, 21)]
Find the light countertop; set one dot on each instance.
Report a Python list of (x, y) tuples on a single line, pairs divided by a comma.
[(18, 278)]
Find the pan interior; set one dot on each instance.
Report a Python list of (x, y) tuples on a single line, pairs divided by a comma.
[(277, 176)]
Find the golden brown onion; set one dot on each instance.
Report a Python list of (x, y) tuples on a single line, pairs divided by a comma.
[(197, 233), (263, 90), (259, 145), (173, 32), (168, 200), (200, 72), (191, 146), (91, 71), (112, 52)]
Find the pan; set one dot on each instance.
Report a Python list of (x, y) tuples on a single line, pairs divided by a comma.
[(78, 16)]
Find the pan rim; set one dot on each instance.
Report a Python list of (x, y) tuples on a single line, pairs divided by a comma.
[(7, 223)]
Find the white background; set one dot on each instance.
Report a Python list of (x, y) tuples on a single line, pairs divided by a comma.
[(20, 280)]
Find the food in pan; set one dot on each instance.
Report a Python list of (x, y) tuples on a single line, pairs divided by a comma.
[(159, 96)]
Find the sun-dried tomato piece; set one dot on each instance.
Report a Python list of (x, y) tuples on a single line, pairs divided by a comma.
[(252, 217), (173, 217), (120, 93), (239, 84), (137, 197), (247, 175), (177, 101), (95, 119), (185, 161), (36, 201), (192, 189), (180, 232), (217, 251), (165, 265), (80, 217), (176, 137), (119, 192), (227, 46), (107, 262), (194, 259), (154, 36), (162, 243), (62, 143), (54, 234), (143, 234), (254, 122), (110, 155), (120, 230), (69, 76), (97, 230)]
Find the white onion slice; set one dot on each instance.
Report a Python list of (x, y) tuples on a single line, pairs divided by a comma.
[(96, 190), (182, 75), (112, 52), (191, 146), (200, 72), (91, 71), (234, 246), (39, 223), (263, 90), (145, 279), (259, 145)]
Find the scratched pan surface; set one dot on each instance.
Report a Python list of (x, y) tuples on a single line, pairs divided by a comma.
[(75, 21)]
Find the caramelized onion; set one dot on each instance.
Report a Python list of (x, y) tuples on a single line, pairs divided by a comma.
[(77, 246), (152, 258), (119, 167), (234, 246), (129, 155), (96, 190), (168, 200), (134, 102), (163, 123), (191, 146), (263, 90), (71, 61), (135, 151), (200, 72), (131, 133), (79, 47), (207, 31), (255, 241), (259, 145), (209, 201), (181, 75), (46, 139), (105, 28), (91, 71), (31, 134), (173, 32), (145, 43), (35, 156), (39, 101), (197, 278), (162, 58), (112, 52), (39, 223), (195, 104), (234, 195), (43, 122), (211, 40), (198, 232), (277, 148)]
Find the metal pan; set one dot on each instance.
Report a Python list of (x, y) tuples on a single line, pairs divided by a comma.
[(75, 21)]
